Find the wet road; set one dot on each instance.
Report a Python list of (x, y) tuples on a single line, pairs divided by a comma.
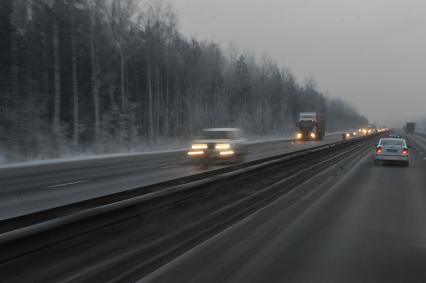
[(368, 227)]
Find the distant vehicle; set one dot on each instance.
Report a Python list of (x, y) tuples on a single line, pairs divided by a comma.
[(371, 130), (310, 126), (393, 150), (410, 128), (349, 135), (219, 144), (362, 132)]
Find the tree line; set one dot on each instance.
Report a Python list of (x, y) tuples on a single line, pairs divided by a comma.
[(116, 75)]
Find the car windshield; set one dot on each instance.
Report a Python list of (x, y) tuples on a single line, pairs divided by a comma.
[(306, 124), (216, 135), (307, 116), (392, 142)]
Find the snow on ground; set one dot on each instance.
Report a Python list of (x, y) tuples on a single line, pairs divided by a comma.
[(69, 157)]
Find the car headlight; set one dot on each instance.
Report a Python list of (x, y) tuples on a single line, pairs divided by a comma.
[(348, 135), (223, 146), (313, 135), (199, 146), (226, 153), (299, 135), (354, 133)]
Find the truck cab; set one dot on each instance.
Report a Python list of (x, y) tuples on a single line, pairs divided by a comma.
[(310, 126)]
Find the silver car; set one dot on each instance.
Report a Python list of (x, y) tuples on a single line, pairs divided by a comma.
[(393, 150)]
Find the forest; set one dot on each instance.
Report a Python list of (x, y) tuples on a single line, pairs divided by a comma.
[(109, 76)]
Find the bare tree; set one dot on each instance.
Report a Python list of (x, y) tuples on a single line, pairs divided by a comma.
[(56, 76), (74, 79), (93, 6), (112, 74), (122, 19)]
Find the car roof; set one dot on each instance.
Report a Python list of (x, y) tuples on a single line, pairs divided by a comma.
[(394, 139)]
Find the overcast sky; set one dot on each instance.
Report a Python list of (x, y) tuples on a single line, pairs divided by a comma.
[(371, 53)]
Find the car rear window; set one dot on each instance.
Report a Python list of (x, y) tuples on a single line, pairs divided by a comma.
[(393, 142)]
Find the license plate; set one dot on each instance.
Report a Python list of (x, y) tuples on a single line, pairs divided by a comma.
[(391, 150)]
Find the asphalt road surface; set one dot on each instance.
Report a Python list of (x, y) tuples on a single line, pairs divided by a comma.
[(368, 227), (33, 188)]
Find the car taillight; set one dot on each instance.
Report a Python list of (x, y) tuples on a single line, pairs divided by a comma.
[(379, 150), (405, 151)]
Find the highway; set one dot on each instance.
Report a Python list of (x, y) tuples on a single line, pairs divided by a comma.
[(369, 226), (28, 189), (328, 216)]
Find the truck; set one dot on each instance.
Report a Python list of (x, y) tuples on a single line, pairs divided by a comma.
[(410, 127), (310, 126)]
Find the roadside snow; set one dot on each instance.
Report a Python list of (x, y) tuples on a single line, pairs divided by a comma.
[(92, 156)]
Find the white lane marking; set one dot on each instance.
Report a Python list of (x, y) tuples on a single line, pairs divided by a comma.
[(67, 184), (169, 166)]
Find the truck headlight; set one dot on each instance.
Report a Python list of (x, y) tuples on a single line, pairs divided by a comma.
[(199, 146), (223, 146)]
